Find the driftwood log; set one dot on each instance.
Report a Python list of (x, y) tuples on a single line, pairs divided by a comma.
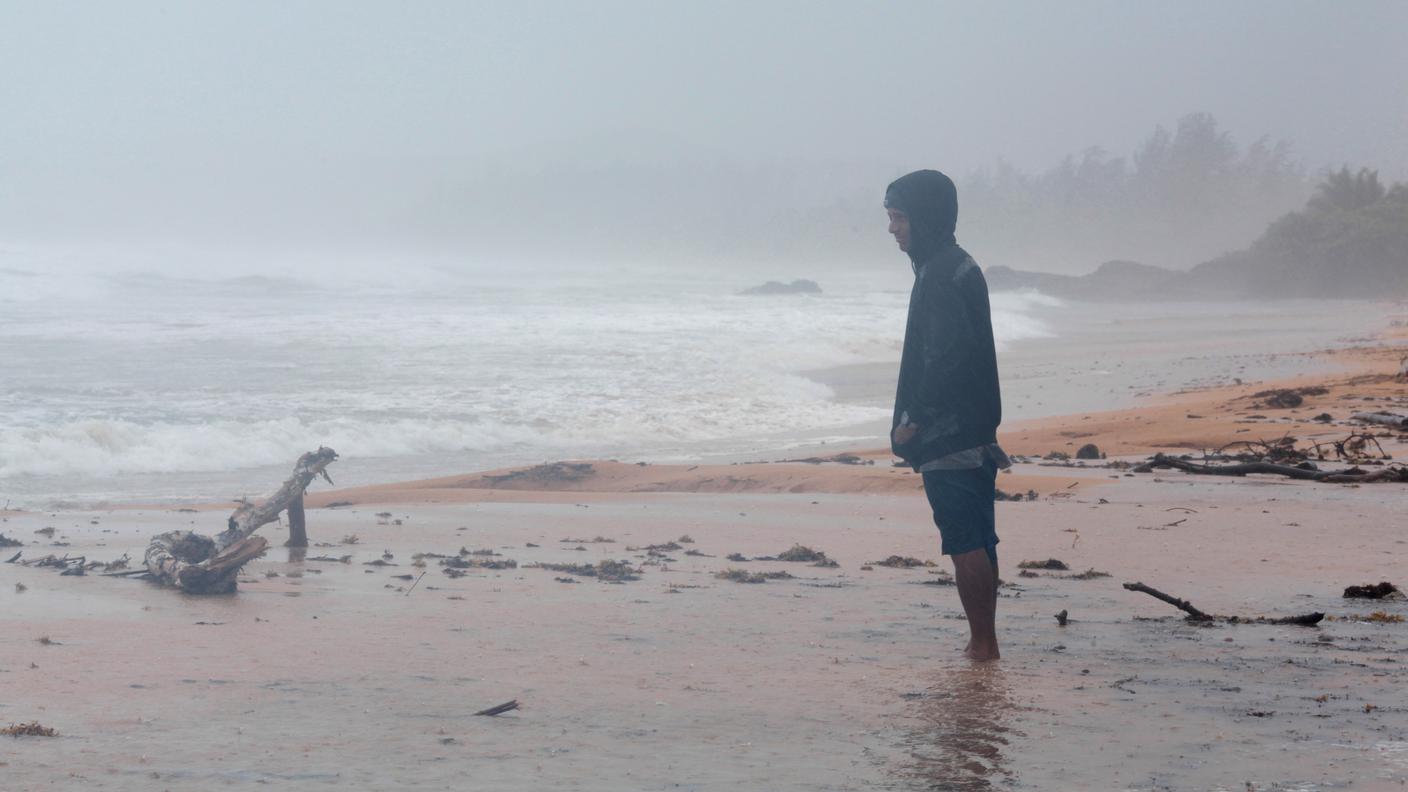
[(1354, 475), (1382, 418), (203, 565), (1195, 615)]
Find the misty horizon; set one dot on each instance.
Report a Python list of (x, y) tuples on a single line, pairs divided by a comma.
[(638, 135)]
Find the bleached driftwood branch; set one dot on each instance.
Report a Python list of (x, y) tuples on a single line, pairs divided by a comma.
[(1390, 473), (1382, 419), (203, 565)]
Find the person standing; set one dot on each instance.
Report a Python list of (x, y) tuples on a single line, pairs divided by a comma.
[(947, 402)]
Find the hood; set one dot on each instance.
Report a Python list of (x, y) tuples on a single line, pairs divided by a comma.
[(930, 201)]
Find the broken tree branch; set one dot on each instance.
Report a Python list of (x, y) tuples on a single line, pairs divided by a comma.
[(248, 517), (203, 565), (1308, 473), (1195, 615)]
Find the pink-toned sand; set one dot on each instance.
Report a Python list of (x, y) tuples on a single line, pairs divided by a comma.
[(325, 675)]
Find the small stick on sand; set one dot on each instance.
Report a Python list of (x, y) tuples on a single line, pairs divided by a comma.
[(1193, 613), (501, 709), (1304, 620), (413, 585)]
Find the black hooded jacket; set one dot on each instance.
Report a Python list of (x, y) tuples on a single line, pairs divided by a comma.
[(948, 370)]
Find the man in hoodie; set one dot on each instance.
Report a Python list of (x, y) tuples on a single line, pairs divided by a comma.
[(947, 404)]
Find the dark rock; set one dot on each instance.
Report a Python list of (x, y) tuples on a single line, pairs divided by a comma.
[(1284, 399), (1089, 451), (799, 286)]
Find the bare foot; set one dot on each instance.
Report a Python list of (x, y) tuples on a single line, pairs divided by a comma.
[(982, 655)]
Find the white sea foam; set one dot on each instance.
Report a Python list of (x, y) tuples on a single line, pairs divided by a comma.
[(113, 372)]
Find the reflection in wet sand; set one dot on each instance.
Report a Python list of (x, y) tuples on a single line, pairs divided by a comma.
[(957, 732)]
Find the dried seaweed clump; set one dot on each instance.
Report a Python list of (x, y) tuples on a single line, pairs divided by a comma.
[(6, 541), (667, 547), (744, 576), (607, 571), (804, 554), (613, 571), (552, 473), (1089, 574), (1381, 590), (31, 729), (478, 563), (1050, 563), (904, 562)]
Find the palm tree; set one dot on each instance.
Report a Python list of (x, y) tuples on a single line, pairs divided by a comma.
[(1347, 191)]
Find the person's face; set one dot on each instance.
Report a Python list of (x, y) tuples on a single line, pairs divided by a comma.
[(899, 227)]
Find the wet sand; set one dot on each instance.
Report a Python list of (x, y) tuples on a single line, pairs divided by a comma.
[(324, 674)]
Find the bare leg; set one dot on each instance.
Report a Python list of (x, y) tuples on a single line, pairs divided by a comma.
[(977, 590)]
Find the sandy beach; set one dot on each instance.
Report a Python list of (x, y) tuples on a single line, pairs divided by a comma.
[(356, 665)]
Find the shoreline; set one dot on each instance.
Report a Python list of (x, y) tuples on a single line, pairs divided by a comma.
[(1183, 421), (360, 662)]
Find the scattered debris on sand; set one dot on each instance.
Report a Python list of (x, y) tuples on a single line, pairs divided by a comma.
[(31, 729), (1000, 495), (6, 541)]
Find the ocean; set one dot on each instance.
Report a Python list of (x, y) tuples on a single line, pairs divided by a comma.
[(123, 384)]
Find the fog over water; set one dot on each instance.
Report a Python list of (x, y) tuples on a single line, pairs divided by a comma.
[(727, 134), (443, 237)]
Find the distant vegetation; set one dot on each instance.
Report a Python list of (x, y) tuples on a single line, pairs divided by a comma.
[(1350, 241), (1182, 197)]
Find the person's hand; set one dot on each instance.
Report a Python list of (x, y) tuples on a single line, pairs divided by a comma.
[(904, 433)]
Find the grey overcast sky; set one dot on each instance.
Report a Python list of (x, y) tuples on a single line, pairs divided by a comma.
[(108, 104)]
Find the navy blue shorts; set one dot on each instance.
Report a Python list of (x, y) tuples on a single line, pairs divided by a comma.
[(962, 503)]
